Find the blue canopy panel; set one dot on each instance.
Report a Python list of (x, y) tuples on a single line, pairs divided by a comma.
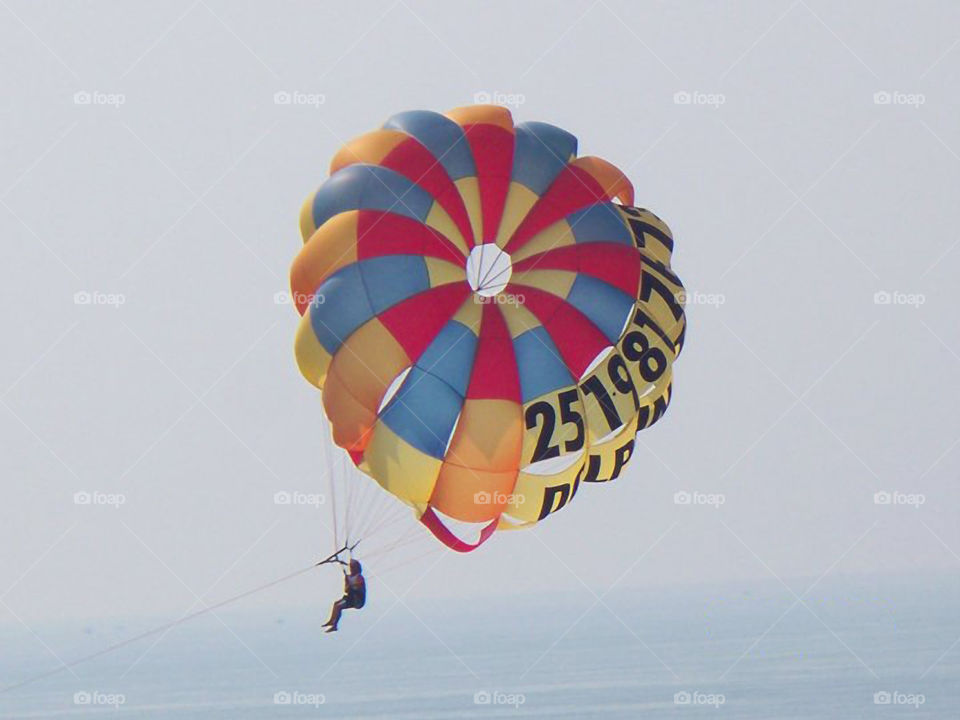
[(541, 152), (356, 293), (423, 412), (599, 223), (392, 278), (605, 306), (370, 187), (339, 307), (539, 364), (441, 136), (450, 355)]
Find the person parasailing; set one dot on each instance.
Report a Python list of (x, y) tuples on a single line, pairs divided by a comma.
[(354, 593)]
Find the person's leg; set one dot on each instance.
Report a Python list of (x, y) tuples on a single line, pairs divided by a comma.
[(335, 614)]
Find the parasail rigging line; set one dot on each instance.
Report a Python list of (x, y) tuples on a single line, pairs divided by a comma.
[(334, 557)]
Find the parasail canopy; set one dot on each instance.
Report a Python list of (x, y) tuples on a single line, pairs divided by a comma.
[(489, 318)]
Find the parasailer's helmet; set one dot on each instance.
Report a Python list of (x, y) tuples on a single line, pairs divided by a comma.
[(355, 567)]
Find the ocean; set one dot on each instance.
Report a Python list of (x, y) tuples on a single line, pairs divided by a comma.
[(851, 648)]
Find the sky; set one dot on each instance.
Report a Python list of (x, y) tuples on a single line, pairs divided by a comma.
[(806, 155)]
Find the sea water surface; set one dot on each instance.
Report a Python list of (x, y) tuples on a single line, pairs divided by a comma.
[(852, 648)]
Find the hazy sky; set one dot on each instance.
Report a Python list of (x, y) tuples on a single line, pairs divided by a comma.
[(806, 155)]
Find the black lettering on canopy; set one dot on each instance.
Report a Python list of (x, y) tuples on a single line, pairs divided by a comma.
[(621, 457), (565, 495)]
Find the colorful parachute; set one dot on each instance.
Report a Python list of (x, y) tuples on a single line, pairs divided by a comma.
[(489, 319)]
